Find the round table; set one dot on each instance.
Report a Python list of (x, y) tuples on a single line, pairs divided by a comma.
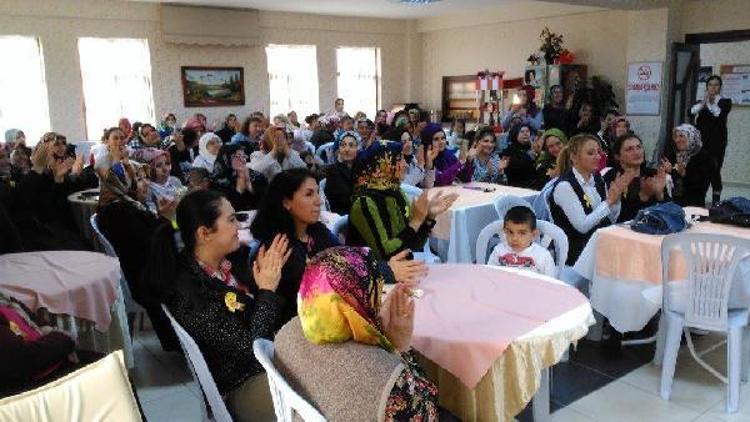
[(487, 336), (84, 205), (82, 288)]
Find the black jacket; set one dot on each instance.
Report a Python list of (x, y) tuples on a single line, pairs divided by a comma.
[(339, 187), (225, 337), (691, 189), (630, 201), (520, 172)]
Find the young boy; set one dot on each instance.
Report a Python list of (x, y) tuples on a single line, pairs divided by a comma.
[(517, 249)]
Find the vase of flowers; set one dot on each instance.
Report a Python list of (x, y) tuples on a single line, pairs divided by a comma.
[(552, 45)]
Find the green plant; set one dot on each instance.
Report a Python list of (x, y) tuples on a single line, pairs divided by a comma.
[(552, 45)]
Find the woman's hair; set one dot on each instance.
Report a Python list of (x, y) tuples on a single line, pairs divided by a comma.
[(272, 217), (621, 140), (515, 130), (245, 129), (553, 88), (269, 136), (485, 131), (394, 134), (717, 78), (109, 131), (574, 147), (189, 137), (196, 209)]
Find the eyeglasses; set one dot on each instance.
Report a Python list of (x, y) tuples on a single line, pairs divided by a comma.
[(240, 156)]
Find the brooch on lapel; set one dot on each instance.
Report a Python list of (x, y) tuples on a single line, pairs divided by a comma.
[(587, 200), (230, 299)]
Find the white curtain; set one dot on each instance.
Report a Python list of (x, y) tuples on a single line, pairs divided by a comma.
[(358, 79), (23, 89), (116, 75), (293, 79)]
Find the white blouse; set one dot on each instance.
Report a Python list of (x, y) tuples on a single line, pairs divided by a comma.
[(566, 198)]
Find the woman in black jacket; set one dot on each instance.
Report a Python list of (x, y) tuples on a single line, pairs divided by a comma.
[(201, 291), (242, 186), (694, 170), (339, 182), (520, 170)]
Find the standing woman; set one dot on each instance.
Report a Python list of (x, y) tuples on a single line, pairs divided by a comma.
[(580, 201), (695, 168), (448, 168), (555, 114), (242, 186), (711, 120), (526, 109), (488, 166)]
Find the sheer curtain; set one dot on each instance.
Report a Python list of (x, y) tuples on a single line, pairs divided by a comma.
[(23, 89), (358, 79), (293, 79), (116, 75)]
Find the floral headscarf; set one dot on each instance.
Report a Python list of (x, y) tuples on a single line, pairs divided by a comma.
[(694, 142), (339, 297), (377, 167)]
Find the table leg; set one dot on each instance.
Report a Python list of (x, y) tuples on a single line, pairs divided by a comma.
[(540, 403)]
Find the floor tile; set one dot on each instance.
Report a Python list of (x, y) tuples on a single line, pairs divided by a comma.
[(619, 401), (569, 414), (179, 406)]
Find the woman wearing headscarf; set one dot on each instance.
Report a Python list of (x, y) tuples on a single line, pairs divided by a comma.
[(555, 113), (182, 151), (520, 170), (711, 121), (365, 347), (243, 187), (553, 141), (526, 109), (167, 125), (208, 147), (448, 168), (694, 170), (381, 216), (128, 218), (164, 186)]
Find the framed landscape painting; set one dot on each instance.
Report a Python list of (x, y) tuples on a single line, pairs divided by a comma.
[(204, 86)]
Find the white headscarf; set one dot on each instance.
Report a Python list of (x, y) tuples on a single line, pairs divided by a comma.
[(203, 147), (694, 142)]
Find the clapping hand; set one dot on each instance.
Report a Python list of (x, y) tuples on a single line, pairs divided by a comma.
[(420, 156), (419, 211), (432, 153), (397, 316), (504, 164), (77, 165), (618, 186), (406, 270), (439, 203), (268, 264)]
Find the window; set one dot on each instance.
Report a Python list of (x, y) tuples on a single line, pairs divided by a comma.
[(358, 78), (23, 89), (116, 74), (293, 79)]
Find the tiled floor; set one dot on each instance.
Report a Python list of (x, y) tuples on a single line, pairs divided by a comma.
[(590, 387)]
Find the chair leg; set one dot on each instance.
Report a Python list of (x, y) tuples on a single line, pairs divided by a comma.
[(745, 353), (734, 364), (661, 338), (671, 348)]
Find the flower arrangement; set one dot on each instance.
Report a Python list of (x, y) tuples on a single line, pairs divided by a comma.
[(552, 45), (566, 57)]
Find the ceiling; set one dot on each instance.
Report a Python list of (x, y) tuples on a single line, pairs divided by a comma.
[(369, 8)]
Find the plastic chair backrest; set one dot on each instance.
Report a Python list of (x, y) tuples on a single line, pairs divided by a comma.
[(108, 249), (541, 202), (341, 227), (548, 233), (711, 262), (201, 373), (323, 198), (412, 192), (328, 149), (286, 401)]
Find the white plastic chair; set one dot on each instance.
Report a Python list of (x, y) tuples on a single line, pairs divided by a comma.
[(330, 157), (341, 227), (200, 371), (286, 401), (322, 192), (549, 234), (131, 306), (711, 263)]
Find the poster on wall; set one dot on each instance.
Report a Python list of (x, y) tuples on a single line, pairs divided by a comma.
[(643, 96), (736, 83), (704, 72), (210, 86)]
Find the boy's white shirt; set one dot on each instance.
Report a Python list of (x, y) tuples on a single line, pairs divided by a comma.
[(543, 262)]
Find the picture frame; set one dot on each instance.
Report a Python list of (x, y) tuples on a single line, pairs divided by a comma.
[(213, 86)]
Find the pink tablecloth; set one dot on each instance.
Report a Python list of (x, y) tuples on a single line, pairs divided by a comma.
[(624, 254), (470, 314), (80, 284)]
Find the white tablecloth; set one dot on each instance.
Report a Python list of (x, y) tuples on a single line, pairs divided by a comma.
[(468, 218)]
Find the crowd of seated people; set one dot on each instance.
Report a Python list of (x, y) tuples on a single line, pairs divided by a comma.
[(159, 181)]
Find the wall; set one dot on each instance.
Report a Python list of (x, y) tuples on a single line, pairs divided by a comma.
[(735, 169), (597, 38), (714, 15), (58, 24)]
